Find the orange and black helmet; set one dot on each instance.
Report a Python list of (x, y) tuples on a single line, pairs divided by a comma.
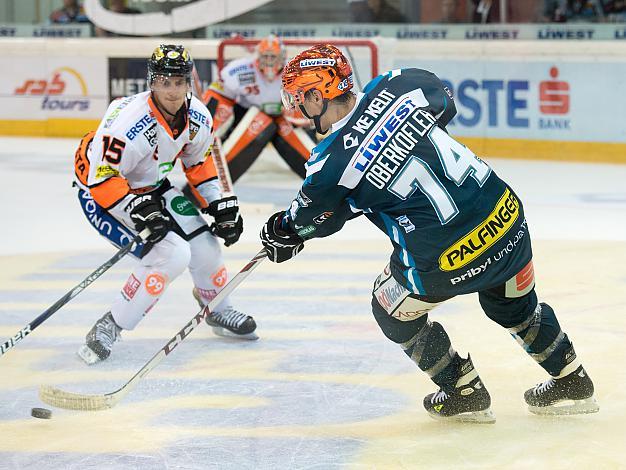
[(322, 67)]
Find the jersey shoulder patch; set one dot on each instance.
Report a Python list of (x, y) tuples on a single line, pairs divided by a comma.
[(200, 114), (129, 118)]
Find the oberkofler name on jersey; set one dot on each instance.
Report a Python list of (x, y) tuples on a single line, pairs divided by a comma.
[(391, 127)]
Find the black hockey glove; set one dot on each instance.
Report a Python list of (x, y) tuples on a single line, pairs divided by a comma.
[(280, 244), (228, 222), (146, 211)]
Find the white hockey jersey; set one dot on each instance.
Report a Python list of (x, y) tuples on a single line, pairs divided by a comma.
[(243, 83), (134, 149)]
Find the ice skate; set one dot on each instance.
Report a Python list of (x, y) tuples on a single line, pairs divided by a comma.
[(230, 323), (572, 394), (467, 402), (99, 340)]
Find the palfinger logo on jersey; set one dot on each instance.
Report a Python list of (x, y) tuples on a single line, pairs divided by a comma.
[(63, 81), (155, 284), (486, 234), (220, 277)]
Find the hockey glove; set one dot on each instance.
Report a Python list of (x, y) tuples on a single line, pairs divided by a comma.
[(146, 211), (228, 222), (280, 244)]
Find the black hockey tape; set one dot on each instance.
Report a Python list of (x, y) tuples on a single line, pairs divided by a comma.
[(41, 413)]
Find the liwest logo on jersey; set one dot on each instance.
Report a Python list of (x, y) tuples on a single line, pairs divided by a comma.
[(55, 87), (378, 122), (486, 234)]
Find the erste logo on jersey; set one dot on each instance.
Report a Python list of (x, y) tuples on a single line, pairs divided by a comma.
[(139, 126)]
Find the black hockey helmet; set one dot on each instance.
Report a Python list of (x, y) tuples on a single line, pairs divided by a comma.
[(170, 60)]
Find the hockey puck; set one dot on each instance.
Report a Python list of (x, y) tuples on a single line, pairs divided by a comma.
[(41, 413)]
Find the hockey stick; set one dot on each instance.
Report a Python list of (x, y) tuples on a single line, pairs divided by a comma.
[(28, 329), (221, 165), (76, 401)]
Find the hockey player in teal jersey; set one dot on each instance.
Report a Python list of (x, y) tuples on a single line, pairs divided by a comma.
[(455, 226)]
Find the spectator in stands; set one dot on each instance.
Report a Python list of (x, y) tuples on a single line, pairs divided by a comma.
[(554, 11), (71, 12), (116, 6), (615, 10), (374, 11), (581, 11), (485, 11), (449, 11), (584, 11)]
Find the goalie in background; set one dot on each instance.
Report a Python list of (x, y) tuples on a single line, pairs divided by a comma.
[(247, 111), (122, 174)]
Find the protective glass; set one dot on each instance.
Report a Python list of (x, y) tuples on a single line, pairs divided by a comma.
[(291, 100)]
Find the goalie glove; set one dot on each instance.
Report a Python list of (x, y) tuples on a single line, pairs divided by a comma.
[(228, 223), (280, 244), (146, 211)]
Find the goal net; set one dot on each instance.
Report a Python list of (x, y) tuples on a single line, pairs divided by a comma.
[(363, 57), (362, 54)]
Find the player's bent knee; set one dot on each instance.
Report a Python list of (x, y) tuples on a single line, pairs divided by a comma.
[(171, 256), (399, 313)]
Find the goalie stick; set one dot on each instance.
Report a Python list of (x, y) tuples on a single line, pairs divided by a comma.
[(28, 329), (76, 401)]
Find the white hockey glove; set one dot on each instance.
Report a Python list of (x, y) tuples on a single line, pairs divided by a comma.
[(280, 244)]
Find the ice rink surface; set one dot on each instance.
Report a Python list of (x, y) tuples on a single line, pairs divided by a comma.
[(322, 388)]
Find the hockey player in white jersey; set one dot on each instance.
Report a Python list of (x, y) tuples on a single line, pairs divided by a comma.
[(247, 111), (121, 171)]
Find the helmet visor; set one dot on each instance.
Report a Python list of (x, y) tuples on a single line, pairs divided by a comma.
[(291, 100), (170, 84)]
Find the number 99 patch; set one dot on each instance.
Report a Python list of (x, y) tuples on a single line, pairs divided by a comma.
[(155, 284)]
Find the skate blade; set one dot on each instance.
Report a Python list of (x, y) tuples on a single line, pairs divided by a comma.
[(476, 417), (567, 407), (87, 355), (225, 333)]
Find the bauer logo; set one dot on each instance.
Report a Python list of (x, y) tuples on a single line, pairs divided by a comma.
[(316, 62), (61, 91), (486, 234)]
